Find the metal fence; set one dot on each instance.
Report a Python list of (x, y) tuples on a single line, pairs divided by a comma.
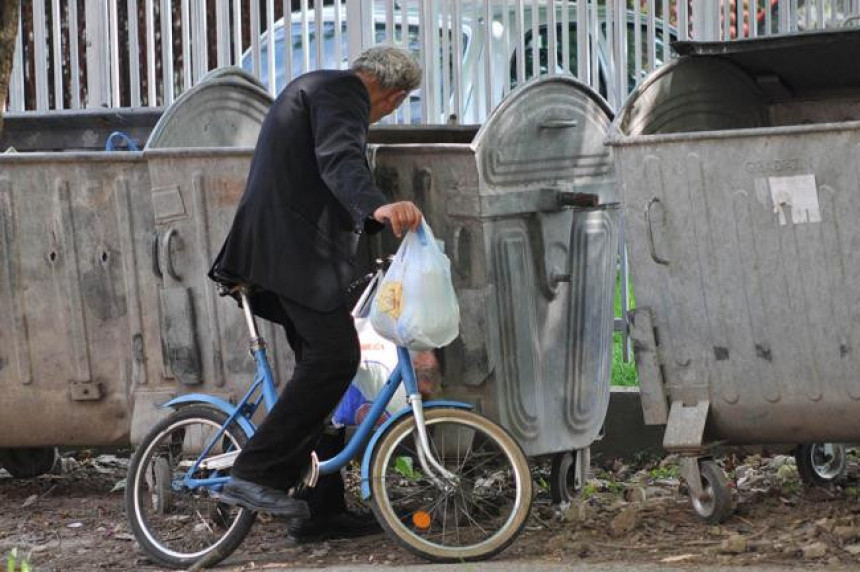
[(129, 53)]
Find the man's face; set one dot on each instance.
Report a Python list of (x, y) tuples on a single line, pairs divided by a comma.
[(390, 101)]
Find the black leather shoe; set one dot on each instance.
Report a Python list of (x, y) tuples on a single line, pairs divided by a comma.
[(260, 498), (342, 525)]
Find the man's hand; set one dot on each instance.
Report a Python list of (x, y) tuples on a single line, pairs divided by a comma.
[(402, 216)]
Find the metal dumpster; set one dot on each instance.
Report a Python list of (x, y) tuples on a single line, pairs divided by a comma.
[(75, 328), (197, 158), (104, 258), (738, 169), (535, 279)]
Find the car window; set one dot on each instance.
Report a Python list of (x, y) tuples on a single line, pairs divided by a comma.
[(296, 47), (572, 47), (643, 47), (414, 46), (413, 43)]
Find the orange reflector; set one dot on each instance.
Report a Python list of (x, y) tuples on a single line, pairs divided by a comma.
[(421, 519)]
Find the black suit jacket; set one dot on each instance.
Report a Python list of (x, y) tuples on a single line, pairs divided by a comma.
[(310, 194)]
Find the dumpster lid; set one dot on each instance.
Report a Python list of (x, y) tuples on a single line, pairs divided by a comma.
[(232, 72), (786, 67), (224, 111), (548, 132)]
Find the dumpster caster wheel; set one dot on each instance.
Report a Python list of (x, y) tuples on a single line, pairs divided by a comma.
[(820, 463), (562, 478), (161, 492), (30, 462), (567, 475), (715, 504)]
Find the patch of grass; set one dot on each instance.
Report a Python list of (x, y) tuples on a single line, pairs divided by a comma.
[(623, 373), (791, 487), (13, 562), (404, 467), (615, 487), (667, 472), (589, 490)]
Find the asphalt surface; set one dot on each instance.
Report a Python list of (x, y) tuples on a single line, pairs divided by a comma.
[(538, 566)]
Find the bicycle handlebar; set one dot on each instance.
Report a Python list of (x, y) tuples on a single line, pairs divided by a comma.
[(378, 264)]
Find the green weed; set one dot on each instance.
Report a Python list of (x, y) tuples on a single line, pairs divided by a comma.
[(667, 472), (404, 467), (13, 564), (623, 373)]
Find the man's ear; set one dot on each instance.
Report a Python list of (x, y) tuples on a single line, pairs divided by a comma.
[(397, 97)]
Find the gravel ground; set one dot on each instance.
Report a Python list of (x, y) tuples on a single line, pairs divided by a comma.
[(635, 514)]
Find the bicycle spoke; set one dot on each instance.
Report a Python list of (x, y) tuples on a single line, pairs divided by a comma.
[(475, 505), (180, 521)]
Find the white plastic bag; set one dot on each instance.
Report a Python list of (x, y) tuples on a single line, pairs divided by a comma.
[(415, 305), (378, 360)]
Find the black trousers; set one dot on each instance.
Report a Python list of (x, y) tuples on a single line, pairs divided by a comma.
[(327, 354)]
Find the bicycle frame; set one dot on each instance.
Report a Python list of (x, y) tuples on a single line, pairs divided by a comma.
[(263, 391)]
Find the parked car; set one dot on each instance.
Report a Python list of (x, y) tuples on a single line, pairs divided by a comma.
[(472, 58)]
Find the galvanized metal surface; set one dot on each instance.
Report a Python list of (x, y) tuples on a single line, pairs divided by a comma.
[(75, 333), (226, 110), (109, 312), (535, 281), (194, 193), (744, 243)]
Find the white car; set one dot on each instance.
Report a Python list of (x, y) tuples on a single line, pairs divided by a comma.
[(473, 97)]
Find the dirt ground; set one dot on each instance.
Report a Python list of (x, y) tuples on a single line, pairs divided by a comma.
[(631, 513)]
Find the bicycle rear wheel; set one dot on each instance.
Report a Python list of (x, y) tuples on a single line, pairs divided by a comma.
[(174, 524), (472, 516)]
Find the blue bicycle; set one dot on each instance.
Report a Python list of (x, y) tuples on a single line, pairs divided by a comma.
[(447, 483)]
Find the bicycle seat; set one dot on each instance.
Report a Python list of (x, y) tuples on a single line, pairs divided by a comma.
[(228, 284)]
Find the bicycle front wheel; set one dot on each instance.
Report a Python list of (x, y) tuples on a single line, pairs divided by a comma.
[(177, 525), (472, 515)]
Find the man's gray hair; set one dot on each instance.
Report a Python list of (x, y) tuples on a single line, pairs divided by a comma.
[(392, 67)]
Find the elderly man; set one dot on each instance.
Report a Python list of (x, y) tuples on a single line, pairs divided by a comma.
[(309, 196)]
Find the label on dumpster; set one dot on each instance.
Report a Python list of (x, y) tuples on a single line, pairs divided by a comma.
[(795, 197)]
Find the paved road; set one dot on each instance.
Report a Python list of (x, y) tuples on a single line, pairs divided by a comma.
[(537, 566)]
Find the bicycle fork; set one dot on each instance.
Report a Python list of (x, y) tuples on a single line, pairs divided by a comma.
[(428, 461)]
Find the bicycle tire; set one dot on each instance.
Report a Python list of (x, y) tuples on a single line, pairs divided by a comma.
[(415, 537), (137, 490)]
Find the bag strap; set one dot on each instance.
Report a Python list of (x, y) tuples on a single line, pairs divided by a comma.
[(363, 305), (425, 233)]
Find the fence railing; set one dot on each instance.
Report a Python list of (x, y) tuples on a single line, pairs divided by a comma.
[(130, 53)]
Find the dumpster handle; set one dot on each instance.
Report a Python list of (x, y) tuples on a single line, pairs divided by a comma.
[(156, 267), (558, 123), (168, 260), (651, 246), (574, 199)]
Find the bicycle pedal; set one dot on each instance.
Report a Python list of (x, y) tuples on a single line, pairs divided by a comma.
[(219, 462)]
